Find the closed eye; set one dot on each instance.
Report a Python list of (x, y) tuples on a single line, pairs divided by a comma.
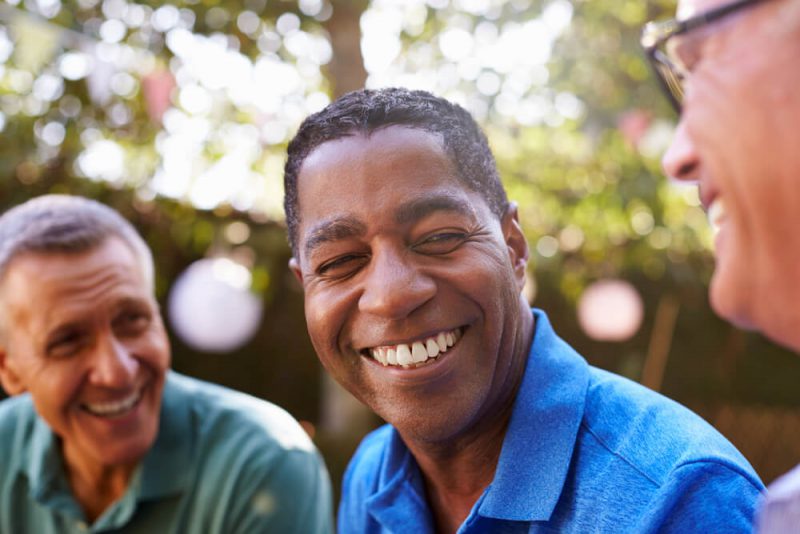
[(440, 243), (66, 343), (342, 266)]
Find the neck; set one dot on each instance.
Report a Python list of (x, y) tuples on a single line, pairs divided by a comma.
[(96, 486), (457, 474), (458, 471)]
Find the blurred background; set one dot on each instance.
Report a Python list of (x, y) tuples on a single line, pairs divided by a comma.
[(177, 114)]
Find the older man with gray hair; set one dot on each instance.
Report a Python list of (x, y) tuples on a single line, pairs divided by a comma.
[(732, 71), (99, 435)]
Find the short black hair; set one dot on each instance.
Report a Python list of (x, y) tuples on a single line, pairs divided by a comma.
[(368, 110)]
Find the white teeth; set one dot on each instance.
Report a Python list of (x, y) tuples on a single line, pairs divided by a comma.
[(432, 348), (716, 214), (417, 352), (404, 355), (441, 342), (107, 409)]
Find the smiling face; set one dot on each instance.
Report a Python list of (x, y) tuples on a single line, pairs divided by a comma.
[(738, 140), (83, 335), (412, 285)]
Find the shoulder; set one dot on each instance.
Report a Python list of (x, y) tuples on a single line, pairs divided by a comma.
[(252, 459), (240, 433), (653, 434)]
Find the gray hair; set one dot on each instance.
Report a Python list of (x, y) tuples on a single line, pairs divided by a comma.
[(66, 224)]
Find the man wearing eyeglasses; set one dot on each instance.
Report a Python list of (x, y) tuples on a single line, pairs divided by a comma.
[(732, 71)]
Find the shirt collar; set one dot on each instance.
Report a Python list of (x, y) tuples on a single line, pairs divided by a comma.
[(542, 431), (400, 504)]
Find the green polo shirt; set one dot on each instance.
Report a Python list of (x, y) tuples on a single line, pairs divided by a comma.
[(223, 462)]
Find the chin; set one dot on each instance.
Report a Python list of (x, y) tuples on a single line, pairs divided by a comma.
[(730, 304)]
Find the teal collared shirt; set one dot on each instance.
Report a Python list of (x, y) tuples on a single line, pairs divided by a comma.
[(223, 462), (585, 451)]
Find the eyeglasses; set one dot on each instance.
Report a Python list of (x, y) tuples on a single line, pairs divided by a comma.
[(669, 69)]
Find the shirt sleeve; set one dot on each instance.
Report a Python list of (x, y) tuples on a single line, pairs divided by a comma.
[(704, 497), (288, 494)]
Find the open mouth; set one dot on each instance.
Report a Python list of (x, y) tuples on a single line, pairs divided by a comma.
[(716, 215), (417, 353), (114, 408)]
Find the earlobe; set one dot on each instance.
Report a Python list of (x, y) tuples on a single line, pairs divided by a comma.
[(294, 266), (8, 377), (516, 242)]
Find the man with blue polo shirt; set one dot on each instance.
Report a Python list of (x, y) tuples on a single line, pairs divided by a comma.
[(99, 435), (413, 261)]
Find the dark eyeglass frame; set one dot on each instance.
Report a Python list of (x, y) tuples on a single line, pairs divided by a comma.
[(656, 34)]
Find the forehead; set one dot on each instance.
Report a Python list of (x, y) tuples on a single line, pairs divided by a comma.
[(396, 146), (381, 169), (44, 284)]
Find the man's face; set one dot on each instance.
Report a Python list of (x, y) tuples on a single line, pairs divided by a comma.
[(84, 337), (738, 138), (398, 261)]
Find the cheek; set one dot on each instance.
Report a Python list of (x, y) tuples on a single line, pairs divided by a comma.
[(325, 312)]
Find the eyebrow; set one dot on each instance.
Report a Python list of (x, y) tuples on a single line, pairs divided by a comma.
[(333, 230), (414, 210)]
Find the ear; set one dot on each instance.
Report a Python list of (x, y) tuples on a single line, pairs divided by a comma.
[(294, 266), (517, 245), (9, 379)]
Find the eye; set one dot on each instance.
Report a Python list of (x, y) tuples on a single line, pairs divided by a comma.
[(66, 343), (342, 266), (440, 243), (131, 322)]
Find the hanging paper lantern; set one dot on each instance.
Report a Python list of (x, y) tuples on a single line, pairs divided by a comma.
[(211, 307), (610, 310)]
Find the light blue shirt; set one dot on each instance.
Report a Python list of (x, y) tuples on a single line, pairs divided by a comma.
[(779, 512), (223, 462), (585, 451)]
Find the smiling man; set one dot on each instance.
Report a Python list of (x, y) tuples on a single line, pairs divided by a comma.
[(413, 261), (732, 72), (99, 435)]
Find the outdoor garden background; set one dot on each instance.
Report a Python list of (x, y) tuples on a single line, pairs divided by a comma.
[(177, 114)]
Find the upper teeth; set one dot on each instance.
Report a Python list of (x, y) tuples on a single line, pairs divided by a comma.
[(114, 407), (716, 214), (417, 352)]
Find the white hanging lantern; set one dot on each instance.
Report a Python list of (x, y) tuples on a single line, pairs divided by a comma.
[(211, 307)]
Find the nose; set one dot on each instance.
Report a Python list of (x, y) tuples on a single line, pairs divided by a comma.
[(113, 365), (681, 161), (394, 285)]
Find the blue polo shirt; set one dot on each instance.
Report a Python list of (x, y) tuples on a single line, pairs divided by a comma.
[(223, 462), (585, 451)]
